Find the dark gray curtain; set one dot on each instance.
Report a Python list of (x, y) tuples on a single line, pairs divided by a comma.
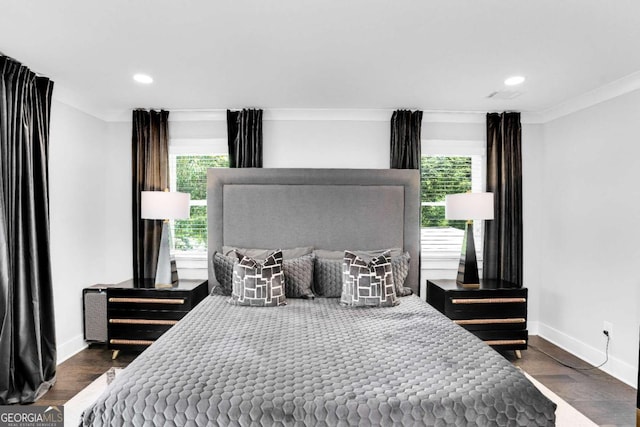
[(150, 172), (27, 332), (405, 139), (244, 133), (503, 235)]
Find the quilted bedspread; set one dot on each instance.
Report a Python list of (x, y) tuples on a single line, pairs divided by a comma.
[(315, 362)]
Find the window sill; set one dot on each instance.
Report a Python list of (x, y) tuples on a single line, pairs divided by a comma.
[(189, 255), (191, 260)]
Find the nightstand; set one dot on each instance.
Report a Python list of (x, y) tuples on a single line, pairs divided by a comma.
[(139, 313), (496, 312)]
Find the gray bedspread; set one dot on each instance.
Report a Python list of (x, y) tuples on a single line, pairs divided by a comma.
[(314, 362)]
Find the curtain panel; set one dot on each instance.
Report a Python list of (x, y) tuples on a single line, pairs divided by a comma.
[(27, 332), (150, 172), (503, 235), (244, 134), (406, 127)]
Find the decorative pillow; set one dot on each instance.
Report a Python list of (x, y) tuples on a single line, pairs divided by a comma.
[(223, 274), (368, 283), (328, 273), (262, 254), (323, 253), (298, 276), (259, 283), (327, 278), (400, 267)]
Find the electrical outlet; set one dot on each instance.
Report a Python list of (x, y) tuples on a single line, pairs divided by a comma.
[(607, 326)]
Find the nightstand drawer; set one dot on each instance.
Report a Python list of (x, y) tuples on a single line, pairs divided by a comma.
[(507, 323), (141, 321), (132, 313), (145, 332), (457, 307), (484, 302), (139, 328), (142, 300), (133, 344), (512, 339)]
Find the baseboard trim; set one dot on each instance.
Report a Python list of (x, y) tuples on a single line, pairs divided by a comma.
[(70, 348), (615, 367)]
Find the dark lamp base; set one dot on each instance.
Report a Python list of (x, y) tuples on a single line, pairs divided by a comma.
[(468, 267)]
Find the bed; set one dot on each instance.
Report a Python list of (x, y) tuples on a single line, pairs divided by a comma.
[(316, 361)]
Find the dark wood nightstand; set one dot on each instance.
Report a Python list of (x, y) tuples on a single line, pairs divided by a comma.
[(139, 313), (496, 312)]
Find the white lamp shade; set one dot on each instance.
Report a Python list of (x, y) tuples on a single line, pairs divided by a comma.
[(164, 205), (469, 206)]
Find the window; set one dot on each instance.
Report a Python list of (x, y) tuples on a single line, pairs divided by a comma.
[(188, 164), (190, 235), (448, 167), (442, 175)]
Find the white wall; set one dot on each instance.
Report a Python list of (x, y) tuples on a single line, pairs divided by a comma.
[(587, 237), (532, 191), (326, 144), (118, 245), (82, 205)]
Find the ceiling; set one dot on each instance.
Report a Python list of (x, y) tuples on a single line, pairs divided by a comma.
[(445, 55)]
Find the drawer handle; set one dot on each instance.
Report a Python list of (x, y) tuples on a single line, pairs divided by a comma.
[(490, 321), (130, 342), (487, 300), (149, 300), (143, 321), (505, 342)]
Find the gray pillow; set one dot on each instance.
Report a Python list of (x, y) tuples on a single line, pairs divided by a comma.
[(366, 255), (327, 281), (400, 267), (222, 274), (327, 278), (262, 254), (259, 283), (298, 276), (368, 283)]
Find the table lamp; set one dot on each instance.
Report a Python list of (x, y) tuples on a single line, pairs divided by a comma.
[(469, 206), (164, 205)]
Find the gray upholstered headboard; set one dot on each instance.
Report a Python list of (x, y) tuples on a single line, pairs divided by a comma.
[(335, 209)]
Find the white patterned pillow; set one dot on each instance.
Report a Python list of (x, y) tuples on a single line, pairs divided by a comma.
[(328, 274), (368, 283), (259, 284)]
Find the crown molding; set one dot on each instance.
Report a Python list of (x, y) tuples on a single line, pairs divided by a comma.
[(327, 114), (622, 86), (197, 115)]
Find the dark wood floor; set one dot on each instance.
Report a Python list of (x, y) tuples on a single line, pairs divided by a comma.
[(596, 394), (599, 396)]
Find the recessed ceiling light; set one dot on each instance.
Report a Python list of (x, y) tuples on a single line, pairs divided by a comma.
[(514, 80), (143, 78)]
